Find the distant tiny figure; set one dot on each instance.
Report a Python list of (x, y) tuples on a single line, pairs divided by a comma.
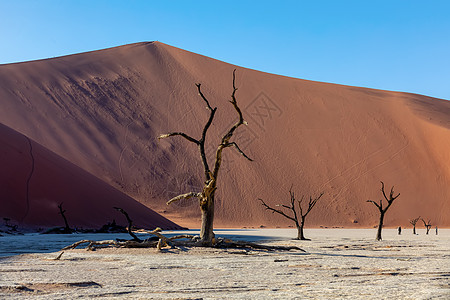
[(436, 231), (399, 230)]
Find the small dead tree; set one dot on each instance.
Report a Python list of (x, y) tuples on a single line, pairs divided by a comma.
[(62, 213), (206, 196), (297, 216), (130, 224), (427, 225), (382, 210), (413, 223)]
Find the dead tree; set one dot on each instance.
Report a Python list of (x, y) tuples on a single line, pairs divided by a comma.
[(130, 224), (62, 213), (382, 210), (297, 216), (413, 223), (206, 196), (427, 225)]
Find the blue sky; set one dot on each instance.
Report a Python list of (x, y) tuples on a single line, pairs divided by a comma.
[(401, 45)]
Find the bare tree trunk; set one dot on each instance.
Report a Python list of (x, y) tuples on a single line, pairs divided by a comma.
[(206, 231), (66, 228), (380, 226), (301, 235), (66, 224), (299, 232), (414, 229)]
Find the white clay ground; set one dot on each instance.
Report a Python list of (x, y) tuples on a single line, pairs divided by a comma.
[(338, 264)]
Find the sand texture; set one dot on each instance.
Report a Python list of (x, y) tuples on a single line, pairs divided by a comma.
[(338, 264), (103, 110)]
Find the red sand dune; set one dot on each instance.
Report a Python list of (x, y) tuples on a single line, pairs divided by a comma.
[(103, 110), (87, 200)]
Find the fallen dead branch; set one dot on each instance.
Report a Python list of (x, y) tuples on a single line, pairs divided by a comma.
[(226, 243), (176, 242)]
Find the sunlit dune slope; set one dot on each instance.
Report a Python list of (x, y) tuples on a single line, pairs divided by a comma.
[(103, 110)]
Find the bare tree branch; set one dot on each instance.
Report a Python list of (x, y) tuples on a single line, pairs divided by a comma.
[(241, 121), (184, 196), (312, 202), (130, 224), (376, 204), (205, 130), (276, 210), (191, 139), (414, 221), (391, 195), (239, 150), (227, 136), (291, 193)]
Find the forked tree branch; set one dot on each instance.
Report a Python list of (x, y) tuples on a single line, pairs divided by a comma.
[(426, 224), (389, 199), (241, 121), (414, 221), (276, 210), (312, 202), (203, 97), (292, 208), (391, 194), (201, 142), (205, 130), (227, 136)]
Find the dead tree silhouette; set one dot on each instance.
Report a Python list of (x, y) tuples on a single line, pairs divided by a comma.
[(130, 224), (295, 215), (413, 223), (382, 210), (206, 196), (66, 224), (427, 225)]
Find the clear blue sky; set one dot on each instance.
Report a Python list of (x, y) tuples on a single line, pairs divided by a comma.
[(401, 45)]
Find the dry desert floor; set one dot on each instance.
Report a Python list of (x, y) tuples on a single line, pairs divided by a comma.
[(337, 264)]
